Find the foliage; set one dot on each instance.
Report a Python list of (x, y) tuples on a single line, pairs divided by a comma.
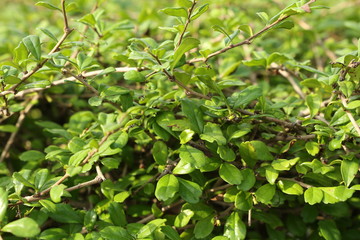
[(190, 119)]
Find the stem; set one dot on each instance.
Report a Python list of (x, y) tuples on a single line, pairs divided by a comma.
[(67, 32), (188, 20)]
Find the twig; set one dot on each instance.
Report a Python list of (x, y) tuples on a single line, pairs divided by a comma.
[(350, 116), (30, 104), (82, 79), (246, 41), (219, 188), (22, 93), (289, 138), (67, 32), (188, 20)]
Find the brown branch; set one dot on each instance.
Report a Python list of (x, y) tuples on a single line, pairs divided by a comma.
[(67, 32), (188, 20), (22, 93), (349, 114), (289, 138), (29, 104), (82, 79), (248, 40)]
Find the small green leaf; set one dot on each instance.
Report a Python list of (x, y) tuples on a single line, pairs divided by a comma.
[(349, 169), (244, 201), (95, 101), (189, 191), (329, 230), (32, 155), (226, 153), (160, 152), (313, 101), (57, 192), (121, 197), (313, 195), (290, 187), (76, 144), (175, 11), (230, 174), (247, 29), (78, 157), (312, 148), (264, 17), (47, 5), (32, 44), (271, 174), (234, 227), (3, 203), (204, 227), (167, 187), (249, 179), (193, 156), (353, 104), (186, 45), (199, 11), (41, 177), (24, 227), (246, 96), (265, 193), (212, 132), (186, 136), (171, 233), (134, 76), (194, 114), (115, 232), (183, 218)]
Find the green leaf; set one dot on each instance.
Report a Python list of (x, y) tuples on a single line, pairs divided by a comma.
[(290, 187), (244, 201), (48, 5), (121, 197), (184, 3), (264, 17), (194, 114), (186, 45), (115, 232), (41, 177), (204, 227), (353, 104), (189, 191), (3, 203), (186, 136), (249, 179), (19, 177), (271, 174), (199, 11), (134, 76), (247, 29), (329, 230), (212, 132), (349, 169), (78, 157), (170, 232), (32, 44), (76, 144), (7, 128), (160, 152), (230, 174), (312, 148), (284, 164), (32, 155), (313, 101), (226, 153), (57, 192), (193, 156), (265, 193), (246, 96), (175, 11), (117, 214), (313, 195), (95, 101), (167, 187), (234, 227), (24, 227), (183, 218)]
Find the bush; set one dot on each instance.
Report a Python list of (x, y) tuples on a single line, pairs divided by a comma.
[(179, 120)]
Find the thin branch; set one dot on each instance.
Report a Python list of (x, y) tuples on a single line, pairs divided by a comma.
[(248, 40), (163, 209), (289, 138), (22, 93), (67, 32), (188, 20), (305, 185), (349, 114), (29, 104), (82, 79)]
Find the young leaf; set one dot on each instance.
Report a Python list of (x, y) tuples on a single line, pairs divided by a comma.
[(329, 230), (244, 201), (313, 195), (193, 156), (199, 11), (134, 76), (175, 11), (204, 227), (166, 187), (194, 114), (290, 187), (160, 152), (212, 132), (186, 45), (32, 44), (3, 203), (349, 169), (47, 5), (265, 193)]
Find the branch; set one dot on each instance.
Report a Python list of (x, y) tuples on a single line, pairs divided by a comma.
[(188, 20), (248, 40), (163, 209), (67, 32), (31, 103), (305, 185), (22, 93)]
